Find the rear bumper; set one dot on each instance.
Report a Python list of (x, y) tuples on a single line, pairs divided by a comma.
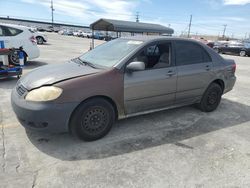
[(229, 84), (45, 38), (32, 52), (49, 117)]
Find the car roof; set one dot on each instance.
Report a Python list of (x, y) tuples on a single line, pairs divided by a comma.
[(151, 38), (14, 26)]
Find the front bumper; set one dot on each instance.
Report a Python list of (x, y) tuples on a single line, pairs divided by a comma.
[(44, 116)]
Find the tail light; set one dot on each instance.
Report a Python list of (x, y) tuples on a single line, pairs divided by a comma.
[(234, 67), (33, 40)]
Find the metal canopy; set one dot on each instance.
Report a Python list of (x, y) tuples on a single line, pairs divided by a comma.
[(127, 26)]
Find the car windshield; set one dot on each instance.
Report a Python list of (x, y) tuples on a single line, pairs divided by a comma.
[(110, 53)]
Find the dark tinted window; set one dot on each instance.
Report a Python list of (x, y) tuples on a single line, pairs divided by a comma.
[(188, 53), (10, 31)]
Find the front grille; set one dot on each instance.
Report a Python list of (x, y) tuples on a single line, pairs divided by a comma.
[(20, 89)]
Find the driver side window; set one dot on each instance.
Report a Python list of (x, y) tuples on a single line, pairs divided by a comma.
[(155, 56)]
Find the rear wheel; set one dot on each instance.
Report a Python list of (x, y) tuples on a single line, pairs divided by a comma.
[(39, 40), (211, 98), (242, 53), (93, 119), (217, 50)]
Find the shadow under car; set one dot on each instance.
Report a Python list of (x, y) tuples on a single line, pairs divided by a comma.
[(142, 132)]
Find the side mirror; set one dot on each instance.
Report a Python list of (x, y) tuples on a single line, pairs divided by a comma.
[(136, 66)]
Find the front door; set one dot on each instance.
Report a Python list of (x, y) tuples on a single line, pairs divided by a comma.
[(154, 87)]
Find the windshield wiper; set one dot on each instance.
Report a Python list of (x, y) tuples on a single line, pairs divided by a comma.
[(78, 60)]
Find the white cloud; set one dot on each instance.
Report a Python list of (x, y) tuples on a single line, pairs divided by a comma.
[(91, 10), (236, 2)]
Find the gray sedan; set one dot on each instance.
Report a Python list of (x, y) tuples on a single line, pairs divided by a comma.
[(121, 78)]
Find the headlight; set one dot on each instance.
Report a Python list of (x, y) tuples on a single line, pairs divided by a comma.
[(46, 93)]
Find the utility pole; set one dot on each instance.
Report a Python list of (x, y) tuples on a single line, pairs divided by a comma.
[(224, 31), (189, 26), (52, 14), (137, 17)]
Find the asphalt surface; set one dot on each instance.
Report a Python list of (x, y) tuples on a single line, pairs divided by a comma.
[(175, 148)]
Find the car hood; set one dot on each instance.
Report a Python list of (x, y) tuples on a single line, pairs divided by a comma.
[(50, 74)]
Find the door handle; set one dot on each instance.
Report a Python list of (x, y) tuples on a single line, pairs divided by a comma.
[(170, 73), (208, 67)]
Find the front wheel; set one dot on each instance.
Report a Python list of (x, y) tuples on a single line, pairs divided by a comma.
[(242, 53), (211, 98), (93, 119), (217, 50)]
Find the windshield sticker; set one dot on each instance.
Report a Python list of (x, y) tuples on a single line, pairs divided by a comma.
[(134, 42)]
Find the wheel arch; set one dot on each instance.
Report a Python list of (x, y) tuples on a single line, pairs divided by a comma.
[(38, 36), (25, 53), (110, 100), (220, 82)]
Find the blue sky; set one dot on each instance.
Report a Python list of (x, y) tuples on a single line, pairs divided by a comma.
[(209, 16)]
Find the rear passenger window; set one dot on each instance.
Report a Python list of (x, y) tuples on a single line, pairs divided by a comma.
[(10, 31), (14, 32), (188, 53)]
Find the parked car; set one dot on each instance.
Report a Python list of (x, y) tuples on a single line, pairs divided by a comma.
[(210, 44), (99, 36), (87, 34), (40, 37), (65, 32), (242, 49), (61, 32), (109, 37), (118, 79), (15, 36), (78, 33), (69, 33), (45, 29)]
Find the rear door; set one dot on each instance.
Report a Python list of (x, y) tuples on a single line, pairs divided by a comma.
[(10, 37), (195, 71)]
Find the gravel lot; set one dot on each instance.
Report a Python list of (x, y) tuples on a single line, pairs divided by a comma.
[(175, 148)]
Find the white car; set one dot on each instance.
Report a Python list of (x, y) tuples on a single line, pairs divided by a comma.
[(87, 34), (15, 36), (40, 37)]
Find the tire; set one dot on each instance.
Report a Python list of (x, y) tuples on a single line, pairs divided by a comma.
[(243, 53), (92, 120), (39, 40), (14, 58), (211, 98), (217, 50)]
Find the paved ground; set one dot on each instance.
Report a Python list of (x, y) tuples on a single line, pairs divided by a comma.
[(176, 148)]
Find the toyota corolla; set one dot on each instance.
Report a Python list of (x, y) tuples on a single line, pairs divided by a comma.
[(118, 79)]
